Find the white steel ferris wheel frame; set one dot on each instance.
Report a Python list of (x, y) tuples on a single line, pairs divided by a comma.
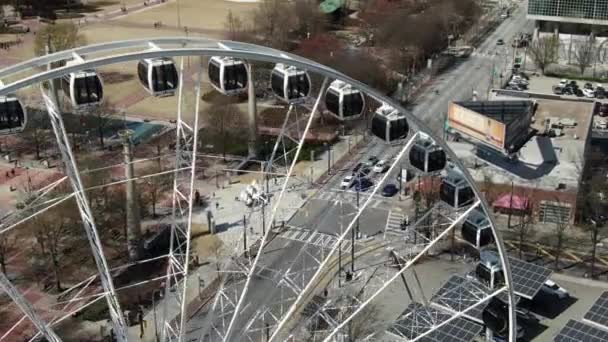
[(100, 55)]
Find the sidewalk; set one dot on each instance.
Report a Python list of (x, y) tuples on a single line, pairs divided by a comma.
[(229, 221)]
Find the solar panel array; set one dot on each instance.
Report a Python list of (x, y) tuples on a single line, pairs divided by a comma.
[(599, 311), (460, 293), (527, 278), (418, 319), (576, 331)]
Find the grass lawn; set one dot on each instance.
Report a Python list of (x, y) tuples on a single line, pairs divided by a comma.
[(204, 14)]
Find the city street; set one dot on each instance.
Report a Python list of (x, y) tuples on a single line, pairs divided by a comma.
[(473, 73)]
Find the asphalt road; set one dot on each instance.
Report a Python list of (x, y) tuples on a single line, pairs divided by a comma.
[(472, 73), (319, 219)]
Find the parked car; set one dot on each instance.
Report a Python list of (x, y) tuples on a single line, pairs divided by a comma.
[(516, 87), (347, 182), (373, 160), (357, 167), (364, 172), (500, 42), (564, 82), (558, 90), (390, 190), (380, 167), (600, 93), (362, 184), (551, 288), (588, 92), (578, 92), (588, 86)]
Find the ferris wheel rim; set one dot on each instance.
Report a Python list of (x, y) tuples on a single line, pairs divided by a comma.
[(249, 52)]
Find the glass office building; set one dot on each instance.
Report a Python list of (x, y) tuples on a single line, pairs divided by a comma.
[(594, 12)]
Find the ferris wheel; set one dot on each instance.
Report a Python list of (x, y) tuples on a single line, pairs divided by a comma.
[(339, 262)]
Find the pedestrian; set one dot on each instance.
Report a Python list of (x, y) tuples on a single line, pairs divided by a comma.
[(217, 205), (140, 318), (7, 175), (13, 172), (197, 197)]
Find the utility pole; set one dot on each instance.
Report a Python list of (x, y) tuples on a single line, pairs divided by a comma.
[(263, 218), (510, 206), (244, 234), (355, 233), (134, 241), (340, 245)]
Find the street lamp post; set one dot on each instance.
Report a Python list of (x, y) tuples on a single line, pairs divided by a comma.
[(154, 311), (328, 149)]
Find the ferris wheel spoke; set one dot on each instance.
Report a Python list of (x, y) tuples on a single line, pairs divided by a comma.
[(313, 282), (255, 266), (186, 150), (27, 309), (87, 216)]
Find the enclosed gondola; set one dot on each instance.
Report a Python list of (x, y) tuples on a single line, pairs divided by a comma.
[(389, 124), (158, 75), (289, 83), (489, 269), (343, 101), (12, 115), (455, 190), (495, 317), (228, 75), (476, 229), (427, 156), (84, 88)]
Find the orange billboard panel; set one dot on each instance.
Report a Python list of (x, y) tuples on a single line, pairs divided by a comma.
[(477, 126)]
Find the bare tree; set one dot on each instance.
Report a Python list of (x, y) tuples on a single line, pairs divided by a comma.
[(225, 120), (61, 36), (544, 51), (156, 186), (8, 246), (562, 223), (101, 116), (234, 25), (53, 231), (584, 53), (36, 132), (594, 206), (310, 20), (274, 21)]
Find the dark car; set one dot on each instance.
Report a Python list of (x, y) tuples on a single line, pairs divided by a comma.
[(578, 92), (390, 190), (500, 42), (364, 172), (588, 86), (600, 93), (362, 184), (357, 167), (373, 160)]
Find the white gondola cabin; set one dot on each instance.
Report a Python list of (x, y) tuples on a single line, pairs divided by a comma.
[(289, 83), (228, 75), (427, 156), (12, 115), (84, 88), (476, 230), (389, 124), (158, 76), (343, 101), (489, 269), (455, 190)]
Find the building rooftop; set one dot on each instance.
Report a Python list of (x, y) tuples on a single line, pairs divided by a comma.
[(544, 162)]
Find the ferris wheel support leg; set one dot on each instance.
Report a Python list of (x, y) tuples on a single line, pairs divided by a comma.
[(71, 170), (252, 145), (27, 309), (183, 194)]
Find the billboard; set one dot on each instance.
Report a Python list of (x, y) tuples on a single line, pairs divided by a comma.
[(477, 126)]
